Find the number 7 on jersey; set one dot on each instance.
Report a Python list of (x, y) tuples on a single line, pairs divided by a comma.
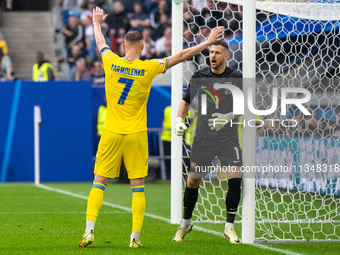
[(128, 83)]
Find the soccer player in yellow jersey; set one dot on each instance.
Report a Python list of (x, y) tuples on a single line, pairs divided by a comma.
[(127, 84)]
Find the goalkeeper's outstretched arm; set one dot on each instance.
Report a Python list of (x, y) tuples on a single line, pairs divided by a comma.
[(190, 52)]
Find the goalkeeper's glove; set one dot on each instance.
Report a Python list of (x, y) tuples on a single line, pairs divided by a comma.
[(180, 126), (220, 121)]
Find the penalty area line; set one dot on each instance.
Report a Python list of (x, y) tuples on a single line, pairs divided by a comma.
[(127, 209)]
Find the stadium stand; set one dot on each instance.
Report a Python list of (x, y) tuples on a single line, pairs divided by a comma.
[(29, 31), (26, 33)]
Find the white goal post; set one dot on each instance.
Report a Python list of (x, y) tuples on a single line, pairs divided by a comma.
[(276, 44), (248, 155), (176, 95)]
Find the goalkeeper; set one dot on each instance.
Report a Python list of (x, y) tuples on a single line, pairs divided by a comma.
[(214, 136), (127, 85)]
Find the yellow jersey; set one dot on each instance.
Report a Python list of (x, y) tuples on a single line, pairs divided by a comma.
[(127, 86)]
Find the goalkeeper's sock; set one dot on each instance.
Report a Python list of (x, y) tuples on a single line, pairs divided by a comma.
[(185, 223), (138, 207), (231, 217), (228, 225), (94, 203), (233, 198), (190, 199)]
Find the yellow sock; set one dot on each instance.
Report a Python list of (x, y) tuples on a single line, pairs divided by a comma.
[(138, 207), (95, 201)]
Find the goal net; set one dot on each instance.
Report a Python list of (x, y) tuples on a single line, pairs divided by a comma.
[(297, 188)]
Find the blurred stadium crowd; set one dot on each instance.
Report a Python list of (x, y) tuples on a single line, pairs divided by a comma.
[(150, 17)]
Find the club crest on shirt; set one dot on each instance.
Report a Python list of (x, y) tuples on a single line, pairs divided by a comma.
[(160, 61), (193, 164), (227, 91)]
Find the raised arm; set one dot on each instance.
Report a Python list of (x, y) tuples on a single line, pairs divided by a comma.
[(97, 19), (190, 52)]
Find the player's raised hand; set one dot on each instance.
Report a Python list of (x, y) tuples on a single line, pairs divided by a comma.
[(97, 17), (216, 33)]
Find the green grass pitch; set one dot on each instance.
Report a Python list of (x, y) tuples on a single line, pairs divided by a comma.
[(39, 221)]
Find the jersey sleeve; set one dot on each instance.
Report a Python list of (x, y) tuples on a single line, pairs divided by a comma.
[(190, 93), (107, 55), (157, 66), (191, 90), (186, 96)]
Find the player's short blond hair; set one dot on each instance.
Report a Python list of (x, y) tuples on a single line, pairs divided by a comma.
[(134, 37)]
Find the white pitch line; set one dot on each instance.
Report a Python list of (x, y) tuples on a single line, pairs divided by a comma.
[(276, 249), (127, 209), (256, 245), (104, 203)]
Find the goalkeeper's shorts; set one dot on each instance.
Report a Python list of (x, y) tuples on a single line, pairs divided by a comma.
[(113, 148), (203, 154)]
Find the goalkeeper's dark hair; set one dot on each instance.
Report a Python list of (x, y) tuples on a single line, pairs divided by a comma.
[(222, 43), (134, 37)]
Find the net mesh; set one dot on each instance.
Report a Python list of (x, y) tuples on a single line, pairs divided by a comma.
[(295, 47)]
